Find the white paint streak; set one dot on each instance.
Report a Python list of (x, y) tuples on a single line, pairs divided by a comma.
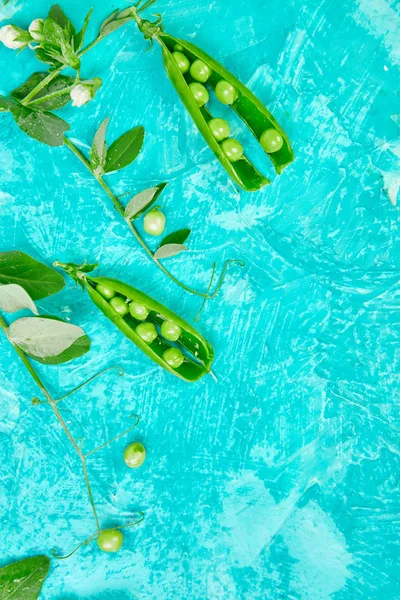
[(383, 23)]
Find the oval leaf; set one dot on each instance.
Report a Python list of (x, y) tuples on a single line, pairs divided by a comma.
[(61, 18), (98, 153), (142, 201), (169, 250), (42, 126), (36, 279), (124, 150), (177, 237), (43, 337), (77, 349), (23, 580), (13, 297)]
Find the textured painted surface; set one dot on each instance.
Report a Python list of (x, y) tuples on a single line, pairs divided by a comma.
[(280, 481)]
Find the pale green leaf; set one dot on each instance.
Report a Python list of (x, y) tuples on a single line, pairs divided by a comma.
[(43, 337), (13, 298), (169, 250)]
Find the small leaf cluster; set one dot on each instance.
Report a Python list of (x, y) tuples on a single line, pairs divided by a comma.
[(47, 339), (56, 43)]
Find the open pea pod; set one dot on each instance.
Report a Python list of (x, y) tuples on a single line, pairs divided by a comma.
[(247, 106), (243, 172), (181, 60), (191, 355)]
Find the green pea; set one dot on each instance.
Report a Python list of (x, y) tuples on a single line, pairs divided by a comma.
[(173, 357), (147, 332), (182, 61), (200, 71), (226, 92), (154, 222), (170, 331), (134, 455), (119, 305), (271, 140), (178, 48), (200, 93), (104, 291), (138, 311), (233, 149), (110, 541), (219, 128)]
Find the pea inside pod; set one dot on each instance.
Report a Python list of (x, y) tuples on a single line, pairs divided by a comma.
[(161, 334), (211, 75)]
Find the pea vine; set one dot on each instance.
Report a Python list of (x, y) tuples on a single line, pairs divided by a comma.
[(56, 42), (49, 340)]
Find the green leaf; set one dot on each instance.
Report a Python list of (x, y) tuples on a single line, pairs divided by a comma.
[(23, 580), (98, 152), (42, 337), (79, 37), (13, 298), (177, 237), (6, 104), (124, 150), (108, 20), (38, 280), (142, 201), (61, 19), (53, 32), (114, 22), (42, 126), (80, 347), (45, 56), (69, 56), (47, 102), (169, 250)]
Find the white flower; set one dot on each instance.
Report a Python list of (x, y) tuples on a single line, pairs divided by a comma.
[(85, 91), (36, 29), (80, 95), (8, 35)]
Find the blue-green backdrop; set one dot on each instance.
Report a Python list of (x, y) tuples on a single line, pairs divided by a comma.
[(281, 479)]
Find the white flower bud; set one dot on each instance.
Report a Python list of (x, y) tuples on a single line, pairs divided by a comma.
[(36, 29), (80, 95), (8, 35), (85, 91)]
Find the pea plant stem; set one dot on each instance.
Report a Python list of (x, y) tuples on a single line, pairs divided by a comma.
[(118, 206), (52, 402), (120, 209)]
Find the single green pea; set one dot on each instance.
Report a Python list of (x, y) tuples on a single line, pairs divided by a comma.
[(138, 311), (200, 71), (110, 541), (147, 332), (134, 455), (200, 93), (154, 222), (182, 61), (178, 48), (173, 357), (104, 291), (226, 92), (233, 149), (170, 331), (271, 140), (219, 128), (119, 305)]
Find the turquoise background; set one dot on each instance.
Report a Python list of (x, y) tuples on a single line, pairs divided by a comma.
[(281, 480)]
